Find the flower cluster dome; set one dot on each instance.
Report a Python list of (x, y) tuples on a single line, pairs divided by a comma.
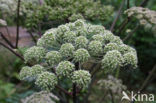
[(31, 72), (34, 54), (53, 57), (63, 52), (112, 60), (82, 78), (145, 16), (46, 80), (81, 55), (65, 68)]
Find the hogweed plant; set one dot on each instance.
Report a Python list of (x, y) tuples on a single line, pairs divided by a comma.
[(61, 53), (145, 16)]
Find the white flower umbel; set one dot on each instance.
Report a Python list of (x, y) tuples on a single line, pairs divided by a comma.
[(60, 32), (116, 40), (108, 36), (53, 58), (82, 78), (25, 73), (110, 46), (47, 40), (81, 42), (96, 29), (65, 68), (145, 16), (31, 73), (46, 81), (67, 50), (69, 36), (112, 60), (79, 23), (75, 17), (125, 49), (130, 59), (34, 54), (98, 37), (81, 55), (95, 48), (36, 70)]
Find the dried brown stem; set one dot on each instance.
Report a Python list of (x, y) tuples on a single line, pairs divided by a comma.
[(11, 50), (128, 5), (6, 40), (128, 19), (96, 69), (63, 90), (118, 15), (148, 78), (32, 36), (17, 29)]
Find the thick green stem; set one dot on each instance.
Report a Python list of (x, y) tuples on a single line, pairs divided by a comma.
[(117, 72)]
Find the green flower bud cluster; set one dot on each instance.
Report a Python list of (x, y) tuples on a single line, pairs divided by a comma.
[(96, 29), (69, 36), (95, 48), (75, 17), (47, 40), (110, 46), (82, 78), (8, 7), (112, 60), (60, 31), (71, 10), (125, 49), (67, 50), (79, 23), (81, 42), (98, 37), (118, 56), (31, 72), (130, 59), (53, 58), (34, 54), (66, 57), (81, 55), (46, 81), (65, 68), (25, 73), (145, 16)]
